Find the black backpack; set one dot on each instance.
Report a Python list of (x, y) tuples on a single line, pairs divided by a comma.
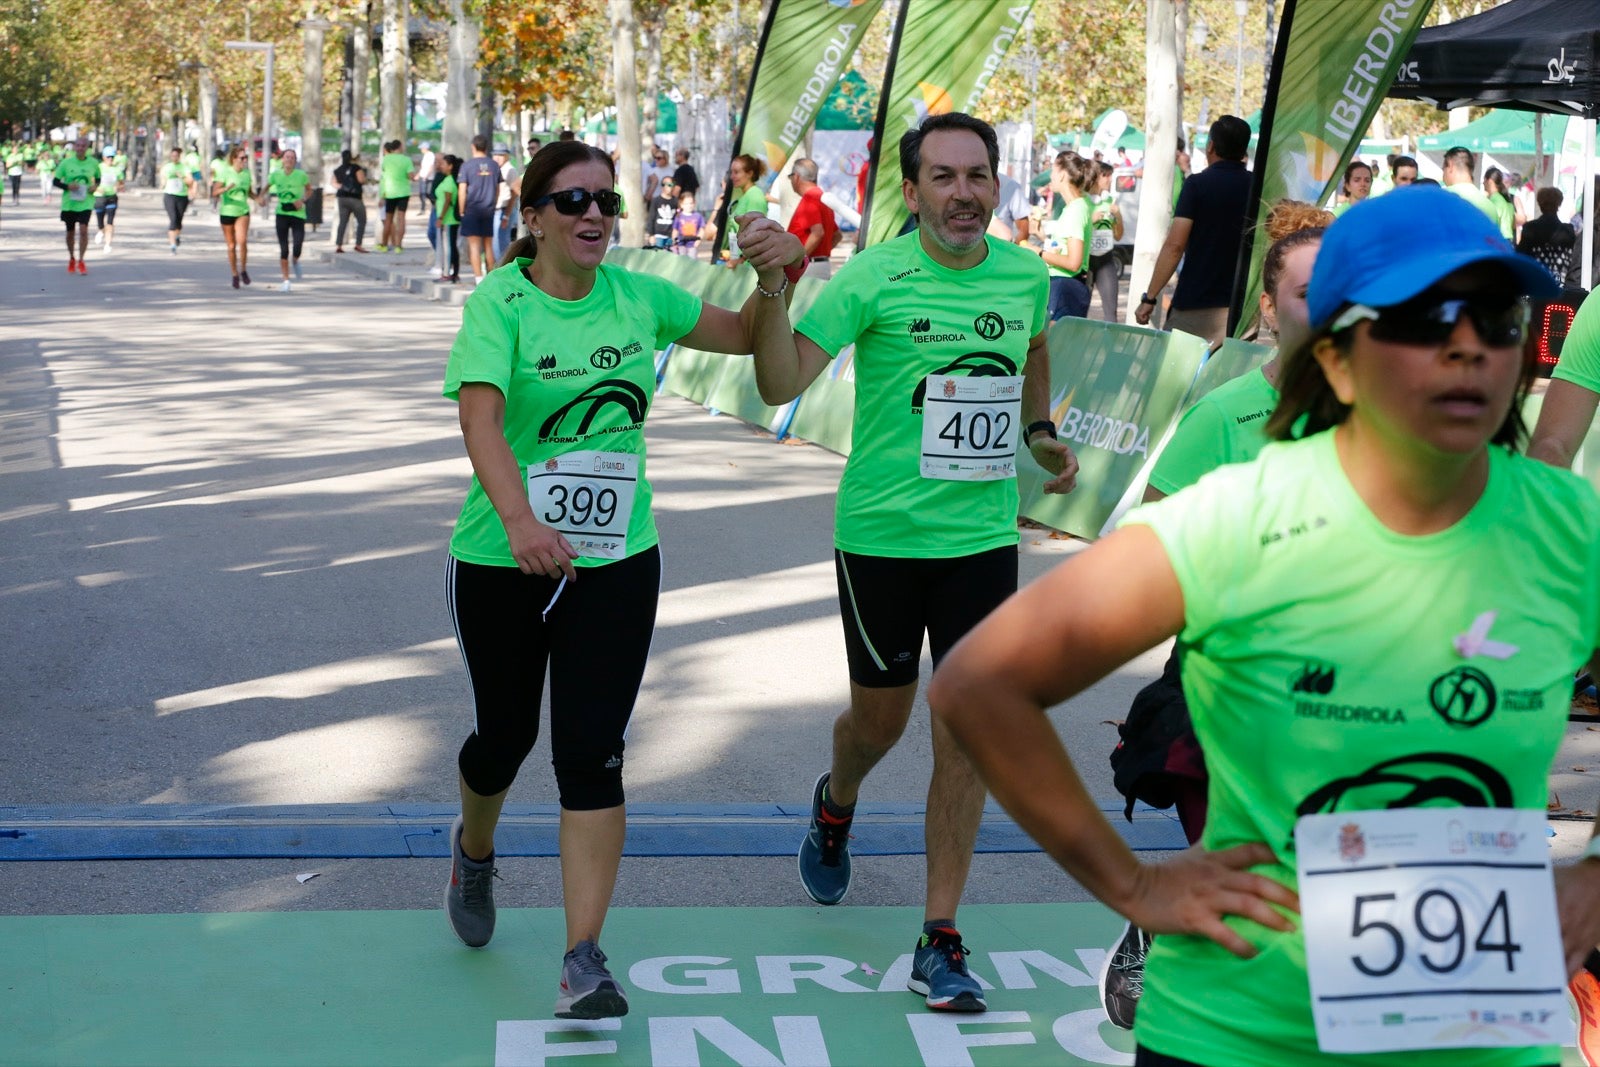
[(1158, 718)]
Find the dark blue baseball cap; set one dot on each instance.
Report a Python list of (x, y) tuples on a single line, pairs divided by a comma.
[(1387, 249)]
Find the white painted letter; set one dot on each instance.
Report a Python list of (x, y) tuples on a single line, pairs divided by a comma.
[(672, 1042), (942, 1043), (779, 973), (525, 1042), (650, 975), (1080, 1034), (1012, 969)]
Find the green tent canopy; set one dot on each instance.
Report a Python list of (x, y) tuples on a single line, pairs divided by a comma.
[(1502, 132), (666, 118)]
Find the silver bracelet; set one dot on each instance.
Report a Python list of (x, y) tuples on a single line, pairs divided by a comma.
[(781, 289)]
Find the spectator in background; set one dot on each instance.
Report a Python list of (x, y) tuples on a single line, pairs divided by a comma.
[(1010, 221), (480, 183), (1502, 210), (1067, 237), (533, 147), (447, 200), (394, 179), (654, 172), (687, 226), (566, 135), (813, 221), (1402, 171), (1105, 230), (1209, 221), (349, 179), (1459, 166), (1548, 239), (684, 176), (503, 222), (1356, 187), (659, 216), (748, 196), (425, 170)]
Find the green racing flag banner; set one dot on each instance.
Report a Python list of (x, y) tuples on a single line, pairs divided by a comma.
[(1333, 66), (806, 46), (944, 54)]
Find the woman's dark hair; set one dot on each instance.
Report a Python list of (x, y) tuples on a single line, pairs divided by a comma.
[(453, 162), (1493, 175), (540, 174), (1081, 173), (1303, 390), (752, 166), (345, 155), (1344, 186)]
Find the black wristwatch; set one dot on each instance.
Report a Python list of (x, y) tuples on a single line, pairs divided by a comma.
[(1034, 427), (1146, 298)]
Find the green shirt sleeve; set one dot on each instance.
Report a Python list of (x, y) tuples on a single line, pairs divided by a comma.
[(485, 346), (843, 309), (676, 310), (1195, 449), (1580, 354)]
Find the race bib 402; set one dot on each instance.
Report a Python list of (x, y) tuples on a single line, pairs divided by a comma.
[(970, 427)]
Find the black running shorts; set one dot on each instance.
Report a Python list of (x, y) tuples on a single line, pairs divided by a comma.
[(888, 603)]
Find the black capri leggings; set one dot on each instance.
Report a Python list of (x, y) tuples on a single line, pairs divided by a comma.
[(451, 250), (593, 633), (176, 206), (289, 224)]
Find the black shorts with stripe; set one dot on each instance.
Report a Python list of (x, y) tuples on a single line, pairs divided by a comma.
[(887, 603)]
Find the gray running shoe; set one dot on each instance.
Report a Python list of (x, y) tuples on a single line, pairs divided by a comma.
[(469, 898), (1122, 976), (587, 989), (824, 856)]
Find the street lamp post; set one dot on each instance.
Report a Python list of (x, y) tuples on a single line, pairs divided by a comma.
[(266, 103)]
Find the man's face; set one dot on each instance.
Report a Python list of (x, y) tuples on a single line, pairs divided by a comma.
[(1404, 176), (955, 192)]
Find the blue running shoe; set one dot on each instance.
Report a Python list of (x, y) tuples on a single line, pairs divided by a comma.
[(825, 852), (939, 973)]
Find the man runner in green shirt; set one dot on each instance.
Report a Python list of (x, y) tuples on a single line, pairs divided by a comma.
[(952, 376), (75, 177)]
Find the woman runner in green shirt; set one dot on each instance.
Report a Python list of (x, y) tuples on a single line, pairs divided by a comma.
[(748, 197), (1380, 623), (230, 188), (554, 560)]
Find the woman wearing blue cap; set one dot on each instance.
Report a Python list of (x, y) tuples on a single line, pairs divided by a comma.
[(1379, 624)]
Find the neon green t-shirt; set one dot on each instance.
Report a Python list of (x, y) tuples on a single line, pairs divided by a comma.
[(174, 179), (444, 198), (47, 163), (578, 375), (235, 190), (14, 162), (218, 166), (288, 188), (395, 175), (752, 199), (1227, 425), (191, 162), (1504, 215), (1314, 641), (1476, 197), (909, 317), (1580, 353), (1072, 224), (83, 173), (110, 174)]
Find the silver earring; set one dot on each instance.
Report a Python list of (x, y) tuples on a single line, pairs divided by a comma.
[(538, 233)]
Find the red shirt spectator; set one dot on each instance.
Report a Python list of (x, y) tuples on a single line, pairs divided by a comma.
[(812, 212)]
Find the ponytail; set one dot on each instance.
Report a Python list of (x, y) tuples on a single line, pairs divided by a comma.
[(523, 247)]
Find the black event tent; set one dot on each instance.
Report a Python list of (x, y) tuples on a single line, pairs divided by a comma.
[(1526, 55)]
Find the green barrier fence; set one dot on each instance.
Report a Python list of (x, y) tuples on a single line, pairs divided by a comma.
[(1234, 359)]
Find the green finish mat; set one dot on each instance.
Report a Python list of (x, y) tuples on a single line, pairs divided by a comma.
[(777, 987)]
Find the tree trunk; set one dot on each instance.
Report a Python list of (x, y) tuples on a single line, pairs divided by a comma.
[(393, 72), (361, 76), (1180, 43), (149, 165), (1161, 141), (651, 104), (487, 117), (311, 103), (625, 74), (208, 127), (461, 80)]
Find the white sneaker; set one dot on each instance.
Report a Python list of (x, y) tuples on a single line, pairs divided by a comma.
[(174, 249), (284, 288), (100, 237)]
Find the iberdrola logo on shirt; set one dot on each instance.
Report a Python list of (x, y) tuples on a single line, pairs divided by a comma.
[(972, 365), (577, 418)]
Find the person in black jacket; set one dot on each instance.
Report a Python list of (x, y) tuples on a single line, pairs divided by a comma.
[(1547, 238), (348, 178)]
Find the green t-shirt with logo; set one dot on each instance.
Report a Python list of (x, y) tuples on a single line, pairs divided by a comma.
[(1315, 648), (83, 173), (235, 184), (1476, 197), (444, 197), (174, 179), (289, 187), (1580, 353), (1073, 224), (110, 175), (578, 375), (1227, 425), (395, 175), (909, 317)]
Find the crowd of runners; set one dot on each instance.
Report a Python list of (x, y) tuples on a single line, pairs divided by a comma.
[(1379, 603)]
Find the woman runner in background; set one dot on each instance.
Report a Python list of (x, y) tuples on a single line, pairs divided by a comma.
[(1401, 547)]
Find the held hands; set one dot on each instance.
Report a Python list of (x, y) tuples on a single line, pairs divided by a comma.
[(538, 549), (766, 246), (1192, 893), (1056, 457), (1578, 906)]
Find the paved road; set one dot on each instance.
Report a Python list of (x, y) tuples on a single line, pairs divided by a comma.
[(223, 518)]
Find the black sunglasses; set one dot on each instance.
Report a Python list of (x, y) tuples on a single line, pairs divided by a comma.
[(577, 201), (1430, 319)]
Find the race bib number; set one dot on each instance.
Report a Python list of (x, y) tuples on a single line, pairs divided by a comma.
[(588, 497), (1431, 928), (1101, 242), (970, 428)]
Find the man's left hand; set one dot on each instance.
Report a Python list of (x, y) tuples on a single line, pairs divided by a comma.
[(1054, 456), (765, 245)]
